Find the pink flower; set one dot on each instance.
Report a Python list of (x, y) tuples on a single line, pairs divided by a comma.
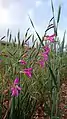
[(28, 72), (16, 81), (15, 89), (45, 56), (22, 62), (47, 49), (51, 38), (41, 62)]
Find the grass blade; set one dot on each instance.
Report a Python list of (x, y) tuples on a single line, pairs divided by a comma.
[(27, 32), (53, 76), (59, 11), (2, 38), (62, 47), (36, 32)]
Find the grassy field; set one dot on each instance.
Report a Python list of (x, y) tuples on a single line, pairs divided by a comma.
[(31, 76)]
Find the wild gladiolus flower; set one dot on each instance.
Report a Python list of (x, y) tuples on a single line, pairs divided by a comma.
[(45, 56), (16, 81), (47, 49), (15, 88), (22, 62), (51, 38), (28, 72)]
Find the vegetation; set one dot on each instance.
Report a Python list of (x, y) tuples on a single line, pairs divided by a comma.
[(31, 76)]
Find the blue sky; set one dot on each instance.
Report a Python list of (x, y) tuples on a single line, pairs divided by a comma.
[(14, 15)]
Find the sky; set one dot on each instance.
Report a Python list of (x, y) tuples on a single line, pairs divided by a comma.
[(14, 15)]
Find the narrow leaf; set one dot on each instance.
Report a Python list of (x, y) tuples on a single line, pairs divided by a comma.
[(59, 11), (28, 38), (36, 32), (53, 76), (52, 7), (62, 48), (27, 32), (51, 19), (2, 38)]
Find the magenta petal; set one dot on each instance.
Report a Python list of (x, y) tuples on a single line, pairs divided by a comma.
[(19, 88), (45, 56), (15, 92), (28, 74), (51, 38), (47, 49), (16, 81)]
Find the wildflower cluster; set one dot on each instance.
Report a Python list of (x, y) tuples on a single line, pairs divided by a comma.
[(28, 71), (46, 52), (15, 90)]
